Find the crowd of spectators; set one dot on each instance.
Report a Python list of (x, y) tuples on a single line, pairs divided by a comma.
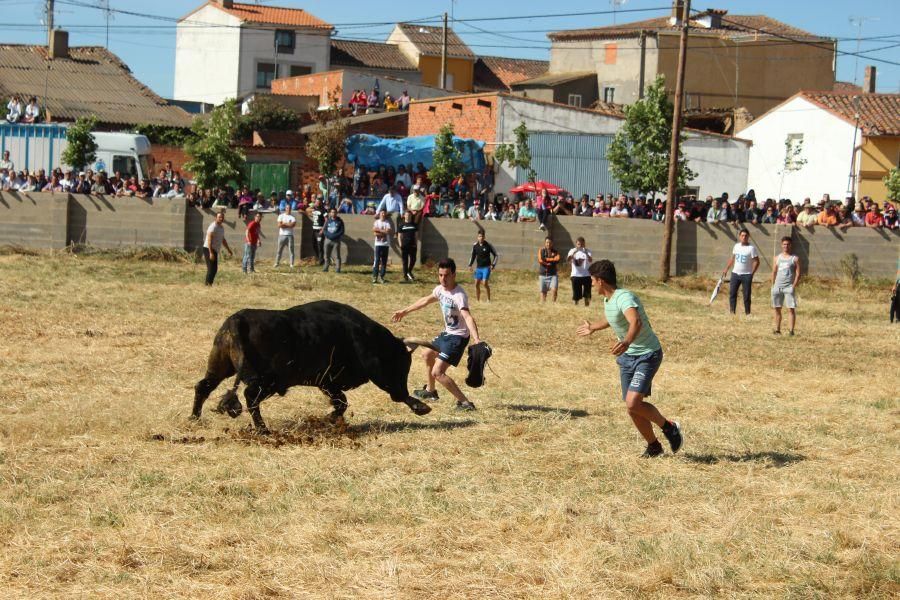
[(372, 102)]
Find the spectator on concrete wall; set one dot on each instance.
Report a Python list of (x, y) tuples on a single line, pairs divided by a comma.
[(14, 109), (32, 111)]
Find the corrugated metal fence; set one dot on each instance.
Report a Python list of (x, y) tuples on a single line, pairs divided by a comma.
[(33, 146), (574, 161)]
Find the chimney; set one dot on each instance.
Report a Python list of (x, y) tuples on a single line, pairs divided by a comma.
[(225, 3), (869, 80), (59, 44), (677, 11)]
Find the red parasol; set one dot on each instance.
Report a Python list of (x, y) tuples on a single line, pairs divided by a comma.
[(537, 186)]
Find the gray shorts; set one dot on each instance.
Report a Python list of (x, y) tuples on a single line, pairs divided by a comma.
[(636, 372), (784, 297), (548, 282)]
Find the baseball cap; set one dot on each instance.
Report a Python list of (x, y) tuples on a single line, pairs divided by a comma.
[(289, 193)]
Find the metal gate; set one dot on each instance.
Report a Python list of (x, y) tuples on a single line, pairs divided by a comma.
[(269, 177), (574, 161)]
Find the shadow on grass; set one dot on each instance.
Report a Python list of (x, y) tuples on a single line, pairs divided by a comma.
[(572, 413), (376, 427), (775, 459)]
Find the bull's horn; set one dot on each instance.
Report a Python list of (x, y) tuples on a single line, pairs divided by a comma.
[(413, 343)]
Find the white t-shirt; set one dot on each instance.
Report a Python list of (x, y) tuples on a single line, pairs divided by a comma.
[(452, 302), (385, 228), (582, 261), (743, 258), (215, 233), (285, 219)]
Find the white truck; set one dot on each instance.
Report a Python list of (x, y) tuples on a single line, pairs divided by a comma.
[(40, 146)]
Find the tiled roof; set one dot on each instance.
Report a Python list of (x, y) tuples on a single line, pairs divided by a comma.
[(370, 55), (427, 40), (273, 15), (731, 25), (609, 108), (879, 114), (499, 73), (552, 79), (91, 81), (846, 86)]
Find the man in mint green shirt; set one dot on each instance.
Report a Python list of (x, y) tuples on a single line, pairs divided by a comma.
[(638, 354)]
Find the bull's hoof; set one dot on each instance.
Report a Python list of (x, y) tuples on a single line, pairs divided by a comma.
[(418, 407), (336, 418), (263, 431), (230, 404)]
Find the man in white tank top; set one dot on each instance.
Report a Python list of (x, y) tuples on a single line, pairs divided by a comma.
[(785, 277)]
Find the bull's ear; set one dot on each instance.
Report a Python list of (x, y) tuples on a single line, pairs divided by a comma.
[(413, 343)]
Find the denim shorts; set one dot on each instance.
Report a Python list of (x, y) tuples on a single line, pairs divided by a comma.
[(636, 372), (548, 282), (450, 347), (483, 273)]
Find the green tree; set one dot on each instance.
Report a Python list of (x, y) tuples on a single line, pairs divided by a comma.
[(517, 155), (892, 183), (266, 113), (214, 160), (166, 135), (325, 144), (446, 162), (639, 154), (82, 148)]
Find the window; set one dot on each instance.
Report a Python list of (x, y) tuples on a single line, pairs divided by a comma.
[(300, 70), (126, 165), (609, 94), (609, 57), (793, 149), (575, 100), (265, 73), (692, 100), (284, 41)]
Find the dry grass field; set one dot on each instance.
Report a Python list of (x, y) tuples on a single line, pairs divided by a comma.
[(786, 485)]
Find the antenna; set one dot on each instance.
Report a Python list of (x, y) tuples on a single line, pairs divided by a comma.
[(615, 6), (109, 14), (858, 21)]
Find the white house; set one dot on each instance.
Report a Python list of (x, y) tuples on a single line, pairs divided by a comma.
[(800, 149), (226, 49)]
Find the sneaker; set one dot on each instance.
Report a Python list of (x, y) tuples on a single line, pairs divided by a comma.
[(381, 280), (791, 332), (542, 228), (374, 280), (325, 270), (776, 332), (409, 277), (654, 449), (464, 405), (672, 431), (338, 270), (424, 394)]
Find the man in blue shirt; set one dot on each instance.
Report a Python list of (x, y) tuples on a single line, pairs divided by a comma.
[(391, 203), (638, 353)]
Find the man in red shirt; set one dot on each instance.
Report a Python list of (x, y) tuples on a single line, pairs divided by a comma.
[(874, 217), (251, 243)]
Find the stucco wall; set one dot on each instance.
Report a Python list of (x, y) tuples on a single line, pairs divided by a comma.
[(202, 50), (311, 49), (721, 164), (827, 148), (621, 72), (462, 70), (877, 156)]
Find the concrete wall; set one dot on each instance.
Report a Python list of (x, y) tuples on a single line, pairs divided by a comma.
[(199, 50), (827, 148), (616, 61), (55, 220), (33, 220), (721, 163)]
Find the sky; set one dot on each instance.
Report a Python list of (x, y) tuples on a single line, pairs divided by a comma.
[(147, 44)]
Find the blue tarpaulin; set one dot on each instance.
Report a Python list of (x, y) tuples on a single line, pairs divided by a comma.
[(373, 151)]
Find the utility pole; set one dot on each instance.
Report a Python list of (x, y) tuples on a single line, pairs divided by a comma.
[(851, 180), (444, 55), (643, 64), (49, 21), (672, 190)]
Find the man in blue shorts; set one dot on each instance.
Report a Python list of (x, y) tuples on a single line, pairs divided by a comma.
[(638, 353), (484, 257), (459, 327)]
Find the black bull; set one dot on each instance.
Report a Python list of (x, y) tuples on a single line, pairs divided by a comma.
[(322, 344)]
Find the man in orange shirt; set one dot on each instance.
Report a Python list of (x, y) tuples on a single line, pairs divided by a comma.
[(874, 217), (828, 216)]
